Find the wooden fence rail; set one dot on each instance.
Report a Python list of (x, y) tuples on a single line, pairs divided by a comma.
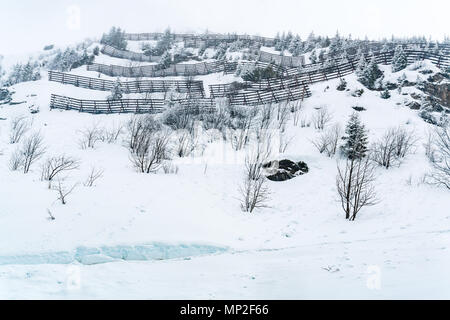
[(193, 69), (196, 39), (130, 55), (141, 86)]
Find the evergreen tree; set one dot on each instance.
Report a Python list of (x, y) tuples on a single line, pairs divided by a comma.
[(295, 47), (361, 65), (322, 56), (24, 72), (166, 60), (399, 61), (277, 41), (356, 140), (310, 42), (335, 45), (313, 57), (385, 94), (370, 74), (115, 38)]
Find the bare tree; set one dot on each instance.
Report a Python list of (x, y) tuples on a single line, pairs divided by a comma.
[(441, 165), (93, 176), (63, 191), (254, 192), (321, 118), (19, 126), (355, 188), (90, 136), (151, 151), (55, 165), (31, 150)]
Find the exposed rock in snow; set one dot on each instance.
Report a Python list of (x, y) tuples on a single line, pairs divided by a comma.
[(284, 169)]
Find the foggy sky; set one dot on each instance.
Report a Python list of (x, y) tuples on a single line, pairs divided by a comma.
[(28, 25)]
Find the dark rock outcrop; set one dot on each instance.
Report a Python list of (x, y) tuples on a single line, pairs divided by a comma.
[(414, 105), (284, 169), (440, 91)]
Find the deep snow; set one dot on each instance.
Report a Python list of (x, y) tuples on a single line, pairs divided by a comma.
[(299, 247)]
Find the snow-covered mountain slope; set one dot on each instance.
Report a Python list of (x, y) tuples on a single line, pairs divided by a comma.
[(299, 247)]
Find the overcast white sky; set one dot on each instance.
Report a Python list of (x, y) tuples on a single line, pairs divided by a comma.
[(27, 25)]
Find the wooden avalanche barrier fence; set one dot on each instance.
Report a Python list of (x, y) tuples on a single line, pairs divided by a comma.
[(124, 54), (193, 69), (284, 61), (195, 40), (441, 61), (140, 86), (159, 105)]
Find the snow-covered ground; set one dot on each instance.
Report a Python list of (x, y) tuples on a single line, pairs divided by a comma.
[(183, 235)]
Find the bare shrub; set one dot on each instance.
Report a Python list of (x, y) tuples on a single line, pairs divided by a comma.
[(304, 123), (430, 152), (405, 141), (15, 162), (266, 116), (169, 168), (321, 118), (393, 146), (51, 217), (242, 124), (284, 142), (441, 165), (355, 188), (138, 128), (90, 136), (31, 150), (254, 192), (296, 107), (63, 191), (328, 141), (185, 144), (19, 126), (93, 176), (283, 115), (152, 150), (110, 135), (56, 165), (384, 150)]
